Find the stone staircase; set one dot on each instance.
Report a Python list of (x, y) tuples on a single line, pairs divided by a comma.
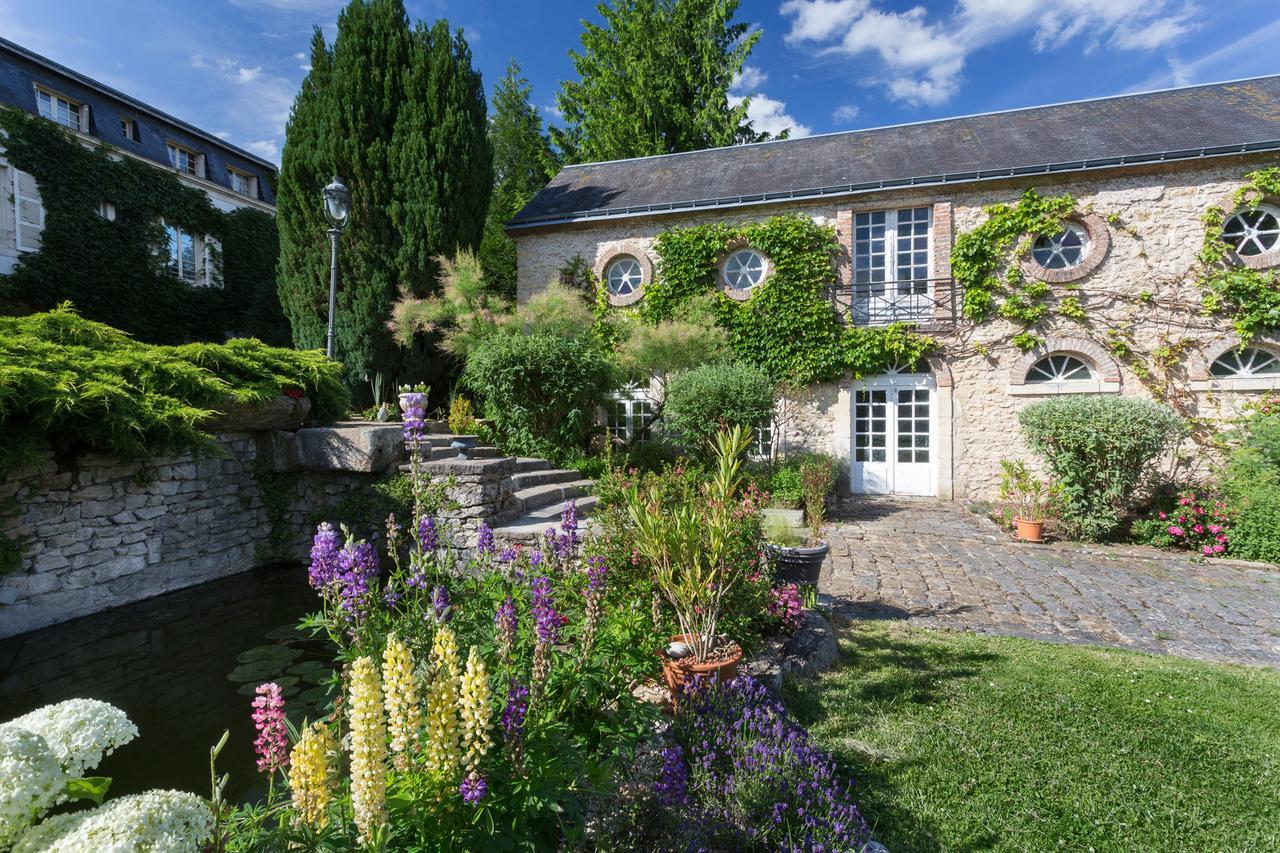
[(521, 496)]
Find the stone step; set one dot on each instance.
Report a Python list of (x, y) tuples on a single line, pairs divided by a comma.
[(524, 464), (444, 451), (528, 528), (527, 500), (525, 479)]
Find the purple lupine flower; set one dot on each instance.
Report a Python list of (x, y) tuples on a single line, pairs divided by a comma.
[(357, 570), (507, 555), (546, 620), (535, 559), (428, 536), (507, 622), (473, 788), (393, 533), (324, 557), (597, 570), (415, 423), (672, 786), (484, 539), (440, 604), (513, 713)]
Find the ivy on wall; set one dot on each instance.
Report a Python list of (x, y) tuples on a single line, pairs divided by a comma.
[(114, 271), (978, 255), (1251, 297), (788, 327)]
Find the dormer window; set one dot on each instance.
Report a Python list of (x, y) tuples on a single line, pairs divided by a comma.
[(65, 112), (185, 160), (129, 129), (242, 183)]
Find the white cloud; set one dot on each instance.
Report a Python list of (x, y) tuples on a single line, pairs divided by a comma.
[(248, 75), (845, 113), (922, 59), (311, 7), (771, 116), (749, 79), (265, 148)]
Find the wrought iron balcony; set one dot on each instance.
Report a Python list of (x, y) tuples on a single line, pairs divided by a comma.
[(928, 302)]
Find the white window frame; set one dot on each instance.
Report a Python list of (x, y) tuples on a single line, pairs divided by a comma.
[(202, 273), (873, 303), (195, 160), (250, 183), (73, 107), (763, 439), (27, 234), (129, 128), (636, 415)]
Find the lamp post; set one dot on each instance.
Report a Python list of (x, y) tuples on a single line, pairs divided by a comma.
[(337, 209)]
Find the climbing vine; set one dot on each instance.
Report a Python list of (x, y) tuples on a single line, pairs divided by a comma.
[(1251, 297), (788, 327), (113, 269), (978, 255)]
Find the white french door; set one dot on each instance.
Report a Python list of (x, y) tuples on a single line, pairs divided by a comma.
[(894, 435), (891, 250)]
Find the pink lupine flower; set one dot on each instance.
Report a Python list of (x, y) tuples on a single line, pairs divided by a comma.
[(272, 744), (1215, 528), (1163, 516), (1175, 530), (1199, 528), (1219, 548), (1208, 550)]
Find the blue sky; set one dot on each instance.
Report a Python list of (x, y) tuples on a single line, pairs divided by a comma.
[(233, 66)]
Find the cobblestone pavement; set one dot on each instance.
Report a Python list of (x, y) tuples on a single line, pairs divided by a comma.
[(940, 565)]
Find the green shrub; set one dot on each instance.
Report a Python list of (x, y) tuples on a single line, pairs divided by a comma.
[(700, 401), (1099, 449), (1252, 489), (71, 385), (540, 391)]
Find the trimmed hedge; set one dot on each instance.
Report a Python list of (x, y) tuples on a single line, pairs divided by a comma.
[(699, 401), (70, 385)]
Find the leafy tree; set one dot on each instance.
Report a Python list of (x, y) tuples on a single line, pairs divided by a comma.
[(523, 162), (399, 114), (655, 80)]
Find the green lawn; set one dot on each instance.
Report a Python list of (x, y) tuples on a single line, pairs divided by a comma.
[(963, 742)]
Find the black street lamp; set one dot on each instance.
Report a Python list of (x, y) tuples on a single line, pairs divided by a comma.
[(337, 209)]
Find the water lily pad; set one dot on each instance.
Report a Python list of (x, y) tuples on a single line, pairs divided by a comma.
[(287, 684), (257, 671), (278, 654), (283, 632), (310, 671), (316, 697)]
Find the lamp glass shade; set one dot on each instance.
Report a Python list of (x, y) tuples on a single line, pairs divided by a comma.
[(337, 203)]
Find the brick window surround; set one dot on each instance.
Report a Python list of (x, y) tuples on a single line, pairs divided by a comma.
[(609, 253), (1106, 370), (1099, 244), (1257, 262), (1201, 360)]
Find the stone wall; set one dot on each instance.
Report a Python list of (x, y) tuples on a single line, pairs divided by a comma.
[(1152, 218), (108, 532)]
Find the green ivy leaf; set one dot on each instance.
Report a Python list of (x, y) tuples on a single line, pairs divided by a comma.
[(88, 788)]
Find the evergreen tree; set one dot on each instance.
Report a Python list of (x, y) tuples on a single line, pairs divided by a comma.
[(655, 80), (523, 162), (399, 114)]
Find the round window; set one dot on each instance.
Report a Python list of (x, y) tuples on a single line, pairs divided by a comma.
[(623, 276), (744, 269), (1059, 368), (1063, 250), (1243, 363), (1253, 232)]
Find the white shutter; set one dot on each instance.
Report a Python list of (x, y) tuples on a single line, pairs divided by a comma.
[(30, 210), (212, 256)]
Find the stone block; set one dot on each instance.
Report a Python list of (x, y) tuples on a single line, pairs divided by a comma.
[(282, 413), (353, 446), (49, 561), (96, 492)]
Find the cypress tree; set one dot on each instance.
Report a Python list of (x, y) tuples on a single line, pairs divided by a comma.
[(655, 80), (523, 162), (398, 114)]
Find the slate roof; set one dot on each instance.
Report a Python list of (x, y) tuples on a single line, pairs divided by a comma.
[(21, 69), (1175, 124)]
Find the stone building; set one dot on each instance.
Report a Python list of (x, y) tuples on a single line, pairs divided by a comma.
[(97, 114), (1144, 170)]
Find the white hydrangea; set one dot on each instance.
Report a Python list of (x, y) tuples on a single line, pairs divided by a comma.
[(159, 821), (30, 781), (81, 732)]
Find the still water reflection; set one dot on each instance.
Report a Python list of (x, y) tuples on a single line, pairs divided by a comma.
[(169, 663)]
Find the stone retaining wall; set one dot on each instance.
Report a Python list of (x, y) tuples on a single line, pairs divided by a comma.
[(108, 532)]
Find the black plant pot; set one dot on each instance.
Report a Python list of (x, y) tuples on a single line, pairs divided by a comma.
[(799, 565)]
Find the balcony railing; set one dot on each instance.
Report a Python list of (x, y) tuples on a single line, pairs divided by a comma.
[(926, 301)]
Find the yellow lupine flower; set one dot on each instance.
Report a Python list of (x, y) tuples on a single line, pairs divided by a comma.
[(400, 695), (443, 750), (309, 774), (368, 749), (475, 711)]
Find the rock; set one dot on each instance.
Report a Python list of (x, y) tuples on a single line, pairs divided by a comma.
[(809, 651), (281, 413), (352, 446)]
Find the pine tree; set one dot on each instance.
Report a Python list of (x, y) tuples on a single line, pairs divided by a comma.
[(655, 79), (523, 162), (399, 115)]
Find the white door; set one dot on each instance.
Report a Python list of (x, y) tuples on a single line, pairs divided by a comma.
[(894, 435)]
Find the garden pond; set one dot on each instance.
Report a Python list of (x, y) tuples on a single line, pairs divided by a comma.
[(183, 666)]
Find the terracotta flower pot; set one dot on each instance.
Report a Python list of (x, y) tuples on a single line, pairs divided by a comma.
[(1029, 531), (679, 672)]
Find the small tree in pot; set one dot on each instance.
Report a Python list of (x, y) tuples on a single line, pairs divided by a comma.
[(689, 549), (803, 563), (1030, 496)]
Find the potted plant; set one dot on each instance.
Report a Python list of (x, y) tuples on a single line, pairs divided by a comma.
[(1030, 496), (688, 548), (802, 562), (413, 396)]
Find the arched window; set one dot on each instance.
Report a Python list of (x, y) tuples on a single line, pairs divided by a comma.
[(744, 269), (1245, 363), (1254, 231), (1059, 367), (623, 276)]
